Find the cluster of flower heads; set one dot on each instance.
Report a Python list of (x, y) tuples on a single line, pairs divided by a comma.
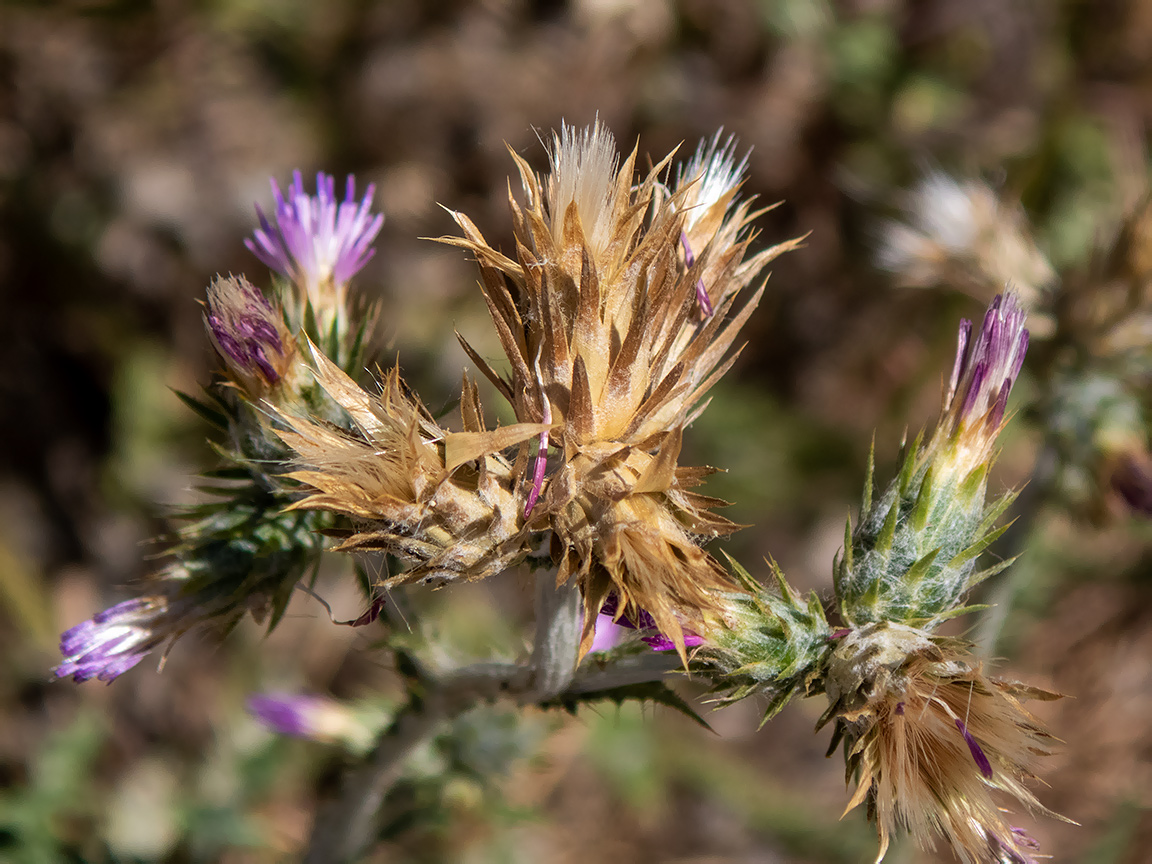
[(245, 552), (617, 315)]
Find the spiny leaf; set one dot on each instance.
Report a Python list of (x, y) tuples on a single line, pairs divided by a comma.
[(909, 466), (924, 499), (958, 611), (976, 548), (976, 578), (846, 561), (888, 530), (745, 578), (995, 510), (649, 691), (203, 409), (786, 591), (916, 573), (777, 702), (973, 485)]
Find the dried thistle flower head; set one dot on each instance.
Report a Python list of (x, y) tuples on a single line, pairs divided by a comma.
[(598, 315), (961, 234), (411, 488), (930, 739), (249, 334)]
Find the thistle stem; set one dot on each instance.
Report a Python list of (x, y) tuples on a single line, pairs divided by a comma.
[(346, 826), (556, 648)]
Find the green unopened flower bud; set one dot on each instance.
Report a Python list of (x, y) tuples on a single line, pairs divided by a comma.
[(767, 643), (913, 553)]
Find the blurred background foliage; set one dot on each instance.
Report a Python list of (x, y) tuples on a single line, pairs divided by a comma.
[(134, 138)]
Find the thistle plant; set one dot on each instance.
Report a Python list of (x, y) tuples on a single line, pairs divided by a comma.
[(243, 551), (618, 311)]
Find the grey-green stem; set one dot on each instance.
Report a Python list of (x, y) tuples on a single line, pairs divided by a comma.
[(345, 827)]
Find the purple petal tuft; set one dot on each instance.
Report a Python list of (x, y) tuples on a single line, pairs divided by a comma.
[(977, 753)]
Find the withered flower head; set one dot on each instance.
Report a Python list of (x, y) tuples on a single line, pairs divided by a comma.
[(248, 332), (962, 234), (599, 315), (930, 739), (445, 500)]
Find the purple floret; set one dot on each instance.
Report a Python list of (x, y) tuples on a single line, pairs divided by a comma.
[(976, 750), (660, 642), (110, 643), (988, 364), (312, 238), (642, 620)]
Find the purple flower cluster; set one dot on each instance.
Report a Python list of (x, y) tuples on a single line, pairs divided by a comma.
[(986, 369), (644, 621), (243, 326), (314, 239), (113, 641)]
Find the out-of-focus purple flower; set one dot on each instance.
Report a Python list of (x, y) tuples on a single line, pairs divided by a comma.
[(295, 714), (313, 239), (113, 641), (316, 718), (249, 333), (642, 620)]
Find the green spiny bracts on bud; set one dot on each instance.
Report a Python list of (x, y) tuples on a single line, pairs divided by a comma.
[(913, 554), (764, 642), (928, 739)]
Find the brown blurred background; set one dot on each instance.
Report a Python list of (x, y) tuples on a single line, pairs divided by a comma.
[(135, 137)]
